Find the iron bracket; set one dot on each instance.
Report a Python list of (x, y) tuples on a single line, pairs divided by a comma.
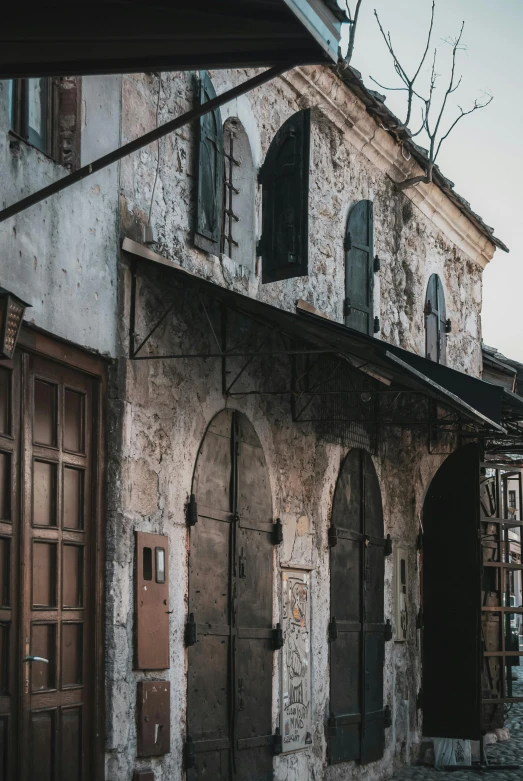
[(332, 536), (192, 511), (277, 742), (333, 629), (277, 532), (191, 635), (189, 759), (277, 637)]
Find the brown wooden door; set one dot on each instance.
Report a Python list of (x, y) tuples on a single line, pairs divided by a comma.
[(47, 566)]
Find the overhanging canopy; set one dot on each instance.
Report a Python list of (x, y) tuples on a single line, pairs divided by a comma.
[(125, 36), (479, 402)]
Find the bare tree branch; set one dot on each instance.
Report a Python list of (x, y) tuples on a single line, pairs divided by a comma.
[(431, 127), (408, 82), (477, 105), (353, 25)]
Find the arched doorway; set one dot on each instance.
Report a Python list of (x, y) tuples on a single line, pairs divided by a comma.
[(451, 586), (229, 633), (357, 629)]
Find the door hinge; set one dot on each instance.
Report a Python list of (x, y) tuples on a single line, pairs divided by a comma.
[(419, 700), (332, 536), (419, 540), (191, 636), (448, 326), (347, 242), (376, 327), (347, 308), (388, 630), (387, 718), (277, 637), (192, 511), (419, 619), (333, 629), (332, 726), (388, 545), (277, 532), (277, 742), (428, 308), (377, 264), (189, 759)]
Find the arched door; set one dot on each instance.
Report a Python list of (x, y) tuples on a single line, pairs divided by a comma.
[(229, 633), (357, 630)]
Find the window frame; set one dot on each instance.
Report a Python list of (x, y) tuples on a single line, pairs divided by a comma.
[(438, 312), (19, 111)]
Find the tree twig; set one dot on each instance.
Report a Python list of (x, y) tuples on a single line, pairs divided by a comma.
[(353, 25)]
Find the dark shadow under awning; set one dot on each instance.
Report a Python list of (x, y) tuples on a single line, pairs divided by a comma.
[(480, 402)]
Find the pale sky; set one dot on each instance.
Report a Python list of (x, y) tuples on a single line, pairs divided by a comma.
[(484, 154)]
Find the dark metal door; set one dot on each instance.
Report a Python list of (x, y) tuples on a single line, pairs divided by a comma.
[(357, 629), (451, 599), (229, 720)]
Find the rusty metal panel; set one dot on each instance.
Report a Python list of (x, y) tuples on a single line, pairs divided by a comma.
[(143, 775), (153, 718), (152, 601)]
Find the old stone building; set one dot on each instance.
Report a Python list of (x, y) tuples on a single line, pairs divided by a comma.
[(234, 375)]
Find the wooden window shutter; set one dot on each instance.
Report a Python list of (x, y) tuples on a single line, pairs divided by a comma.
[(435, 321), (359, 268), (284, 177), (209, 173)]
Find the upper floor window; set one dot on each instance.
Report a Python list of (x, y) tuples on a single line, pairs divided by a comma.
[(359, 269), (284, 177), (44, 112), (238, 230), (225, 184), (436, 324)]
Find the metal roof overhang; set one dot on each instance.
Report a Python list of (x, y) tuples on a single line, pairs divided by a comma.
[(126, 36), (480, 402)]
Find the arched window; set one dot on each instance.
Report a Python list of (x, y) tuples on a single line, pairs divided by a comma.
[(225, 185), (237, 240), (359, 269), (436, 324)]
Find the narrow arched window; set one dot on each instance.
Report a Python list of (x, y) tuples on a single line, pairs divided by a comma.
[(435, 322), (237, 239), (359, 268)]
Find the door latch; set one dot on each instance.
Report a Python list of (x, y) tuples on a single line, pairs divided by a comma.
[(277, 637)]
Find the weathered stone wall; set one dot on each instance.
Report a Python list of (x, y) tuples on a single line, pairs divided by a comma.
[(61, 255), (160, 409), (411, 246), (161, 412)]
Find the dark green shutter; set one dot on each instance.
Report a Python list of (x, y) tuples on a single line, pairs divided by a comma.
[(435, 321), (285, 202), (209, 173), (359, 268)]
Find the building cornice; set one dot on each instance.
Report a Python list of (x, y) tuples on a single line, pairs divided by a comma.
[(334, 99)]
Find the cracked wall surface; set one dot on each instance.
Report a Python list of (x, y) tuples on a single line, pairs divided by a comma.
[(68, 265)]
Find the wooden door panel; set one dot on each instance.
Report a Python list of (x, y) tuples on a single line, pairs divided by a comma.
[(57, 621)]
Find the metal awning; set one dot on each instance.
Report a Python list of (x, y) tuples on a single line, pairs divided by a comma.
[(126, 36), (479, 402)]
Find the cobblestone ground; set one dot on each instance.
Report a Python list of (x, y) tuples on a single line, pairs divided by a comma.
[(509, 752)]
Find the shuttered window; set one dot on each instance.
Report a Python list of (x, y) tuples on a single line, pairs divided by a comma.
[(284, 177), (45, 113), (359, 268), (357, 630), (435, 322), (209, 178)]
